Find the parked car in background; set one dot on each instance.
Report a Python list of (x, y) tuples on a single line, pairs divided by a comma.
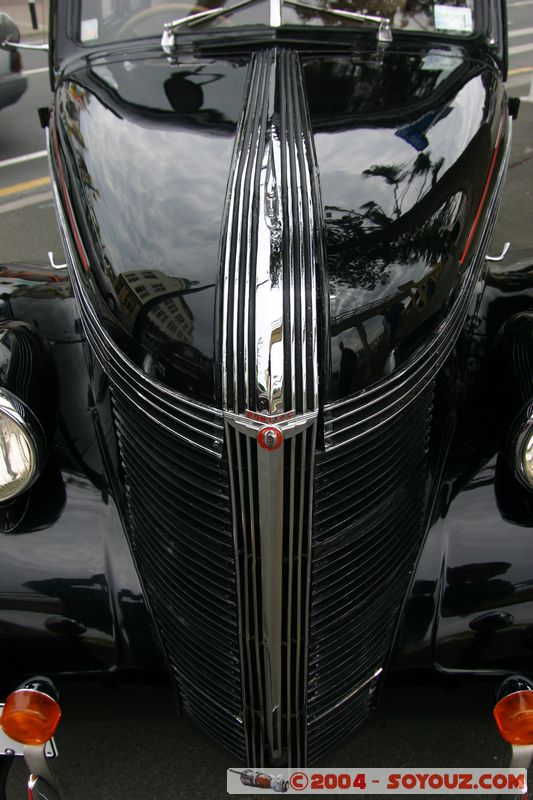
[(273, 426), (12, 82)]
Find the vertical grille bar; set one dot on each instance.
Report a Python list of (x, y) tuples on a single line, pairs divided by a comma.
[(239, 243), (274, 661)]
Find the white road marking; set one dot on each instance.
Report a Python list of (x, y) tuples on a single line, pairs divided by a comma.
[(37, 71), (520, 48), (520, 4), (10, 162), (16, 205), (520, 32)]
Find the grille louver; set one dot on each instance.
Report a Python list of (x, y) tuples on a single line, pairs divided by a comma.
[(367, 528), (181, 531)]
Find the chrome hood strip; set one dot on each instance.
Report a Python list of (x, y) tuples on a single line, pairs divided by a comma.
[(272, 260), (272, 251)]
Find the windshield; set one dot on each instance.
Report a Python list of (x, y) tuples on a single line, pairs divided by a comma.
[(117, 20)]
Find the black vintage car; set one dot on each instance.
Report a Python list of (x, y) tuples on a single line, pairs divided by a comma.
[(279, 366)]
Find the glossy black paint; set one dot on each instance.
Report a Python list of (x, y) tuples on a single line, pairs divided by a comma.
[(470, 607), (70, 600), (156, 272), (394, 241), (400, 193), (400, 190)]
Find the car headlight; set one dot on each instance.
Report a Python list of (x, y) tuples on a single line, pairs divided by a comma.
[(22, 446)]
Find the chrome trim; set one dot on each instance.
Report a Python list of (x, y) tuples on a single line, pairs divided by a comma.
[(505, 250), (269, 294), (275, 13), (42, 779), (349, 696), (7, 45), (385, 32), (53, 263), (522, 757), (11, 406), (268, 618), (521, 438), (272, 247), (272, 258)]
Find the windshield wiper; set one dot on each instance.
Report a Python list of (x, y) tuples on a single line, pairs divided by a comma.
[(384, 31), (168, 40)]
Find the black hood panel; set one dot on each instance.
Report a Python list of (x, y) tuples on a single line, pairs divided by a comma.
[(404, 147), (150, 146), (404, 142)]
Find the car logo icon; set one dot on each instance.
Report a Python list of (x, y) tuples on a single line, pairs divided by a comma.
[(270, 438)]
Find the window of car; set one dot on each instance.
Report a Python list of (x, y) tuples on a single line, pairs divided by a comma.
[(117, 20)]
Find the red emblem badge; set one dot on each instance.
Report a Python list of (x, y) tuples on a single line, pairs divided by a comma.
[(270, 438)]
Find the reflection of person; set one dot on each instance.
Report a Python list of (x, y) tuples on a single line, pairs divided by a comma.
[(184, 95), (348, 369), (392, 317)]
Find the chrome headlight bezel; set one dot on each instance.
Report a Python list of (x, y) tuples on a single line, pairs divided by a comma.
[(523, 444), (24, 418)]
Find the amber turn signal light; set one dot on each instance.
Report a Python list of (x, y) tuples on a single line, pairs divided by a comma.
[(514, 717), (30, 716)]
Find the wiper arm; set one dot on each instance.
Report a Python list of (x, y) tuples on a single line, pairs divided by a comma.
[(384, 31), (169, 43), (168, 40)]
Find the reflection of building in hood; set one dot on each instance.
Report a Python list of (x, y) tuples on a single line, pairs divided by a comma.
[(157, 293)]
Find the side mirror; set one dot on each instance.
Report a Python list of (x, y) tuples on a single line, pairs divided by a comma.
[(8, 30)]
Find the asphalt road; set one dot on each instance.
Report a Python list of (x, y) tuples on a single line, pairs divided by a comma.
[(127, 742), (129, 745)]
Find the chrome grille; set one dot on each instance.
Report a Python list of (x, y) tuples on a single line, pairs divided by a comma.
[(274, 572), (191, 423), (181, 532), (368, 526), (180, 529)]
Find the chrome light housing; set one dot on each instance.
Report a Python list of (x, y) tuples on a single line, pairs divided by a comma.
[(522, 443), (22, 446), (527, 456), (524, 453)]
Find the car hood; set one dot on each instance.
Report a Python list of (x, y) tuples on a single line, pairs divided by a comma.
[(404, 139)]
